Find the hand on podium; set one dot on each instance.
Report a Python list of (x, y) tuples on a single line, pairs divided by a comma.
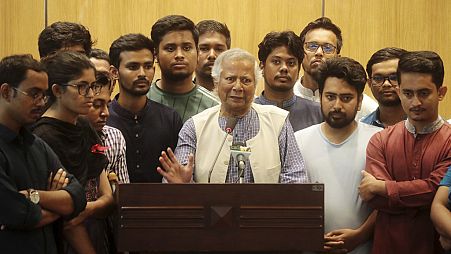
[(172, 170)]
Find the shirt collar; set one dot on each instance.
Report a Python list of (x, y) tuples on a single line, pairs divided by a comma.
[(307, 93), (124, 112), (9, 136), (427, 129), (285, 104)]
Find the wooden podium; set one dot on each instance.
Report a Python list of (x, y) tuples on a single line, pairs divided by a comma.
[(220, 217)]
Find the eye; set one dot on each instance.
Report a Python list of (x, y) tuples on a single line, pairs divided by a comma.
[(169, 48), (187, 48), (275, 61), (203, 49), (378, 79), (292, 63), (346, 98), (220, 49), (133, 67), (393, 77), (424, 94), (407, 94), (330, 97), (148, 66), (246, 81), (229, 79)]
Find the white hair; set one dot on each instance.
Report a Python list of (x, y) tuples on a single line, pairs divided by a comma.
[(235, 54)]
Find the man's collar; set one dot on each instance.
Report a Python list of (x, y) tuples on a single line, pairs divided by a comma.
[(285, 104), (9, 135), (308, 93), (427, 129)]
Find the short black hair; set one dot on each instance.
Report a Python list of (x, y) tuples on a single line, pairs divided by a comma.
[(427, 62), (63, 34), (324, 23), (100, 54), (209, 25), (383, 55), (13, 69), (172, 23), (64, 66), (343, 68), (274, 40), (129, 42)]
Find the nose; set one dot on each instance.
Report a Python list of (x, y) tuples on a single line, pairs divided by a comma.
[(238, 86), (212, 55), (416, 101), (319, 51), (179, 53), (337, 105), (284, 67), (105, 113), (141, 72)]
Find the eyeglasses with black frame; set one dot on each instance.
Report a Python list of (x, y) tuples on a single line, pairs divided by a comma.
[(313, 47), (379, 80), (84, 87), (103, 79), (37, 96)]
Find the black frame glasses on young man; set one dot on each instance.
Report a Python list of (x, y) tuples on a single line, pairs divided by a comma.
[(84, 87), (37, 96), (313, 46), (379, 80)]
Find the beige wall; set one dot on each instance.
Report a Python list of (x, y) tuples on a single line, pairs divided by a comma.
[(367, 25)]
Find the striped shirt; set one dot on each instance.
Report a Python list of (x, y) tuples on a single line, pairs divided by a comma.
[(186, 105), (115, 141), (293, 168)]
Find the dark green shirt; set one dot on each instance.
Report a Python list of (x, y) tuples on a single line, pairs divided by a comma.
[(187, 104), (26, 162)]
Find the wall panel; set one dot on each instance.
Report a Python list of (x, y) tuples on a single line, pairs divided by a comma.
[(370, 25), (20, 24)]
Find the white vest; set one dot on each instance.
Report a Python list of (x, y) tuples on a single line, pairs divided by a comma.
[(264, 159)]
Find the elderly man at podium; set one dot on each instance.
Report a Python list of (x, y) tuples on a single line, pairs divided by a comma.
[(237, 141)]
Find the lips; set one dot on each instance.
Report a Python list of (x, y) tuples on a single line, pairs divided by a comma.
[(283, 78), (141, 82), (179, 65), (316, 61)]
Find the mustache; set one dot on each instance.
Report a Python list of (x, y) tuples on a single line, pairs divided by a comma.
[(141, 80)]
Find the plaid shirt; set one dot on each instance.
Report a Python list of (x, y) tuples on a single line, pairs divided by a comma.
[(293, 168), (114, 140)]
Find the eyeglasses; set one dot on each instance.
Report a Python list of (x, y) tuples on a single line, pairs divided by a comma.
[(378, 80), (83, 88), (313, 46), (103, 80), (36, 96)]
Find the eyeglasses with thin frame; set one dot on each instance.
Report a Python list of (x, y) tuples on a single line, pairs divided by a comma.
[(83, 88), (379, 80), (313, 46), (36, 96)]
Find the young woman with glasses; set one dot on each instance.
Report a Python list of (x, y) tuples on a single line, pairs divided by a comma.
[(72, 86)]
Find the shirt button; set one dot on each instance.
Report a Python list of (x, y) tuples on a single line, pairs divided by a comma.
[(137, 151), (137, 135), (226, 162), (137, 166), (2, 227)]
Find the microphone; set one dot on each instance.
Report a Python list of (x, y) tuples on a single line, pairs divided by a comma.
[(230, 125), (240, 153)]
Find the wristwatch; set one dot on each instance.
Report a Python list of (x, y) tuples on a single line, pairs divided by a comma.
[(33, 195)]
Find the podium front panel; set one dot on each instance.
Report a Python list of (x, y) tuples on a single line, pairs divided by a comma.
[(221, 217)]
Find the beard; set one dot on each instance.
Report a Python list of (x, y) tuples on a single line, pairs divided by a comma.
[(175, 77), (342, 121), (133, 92), (390, 103), (280, 87)]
